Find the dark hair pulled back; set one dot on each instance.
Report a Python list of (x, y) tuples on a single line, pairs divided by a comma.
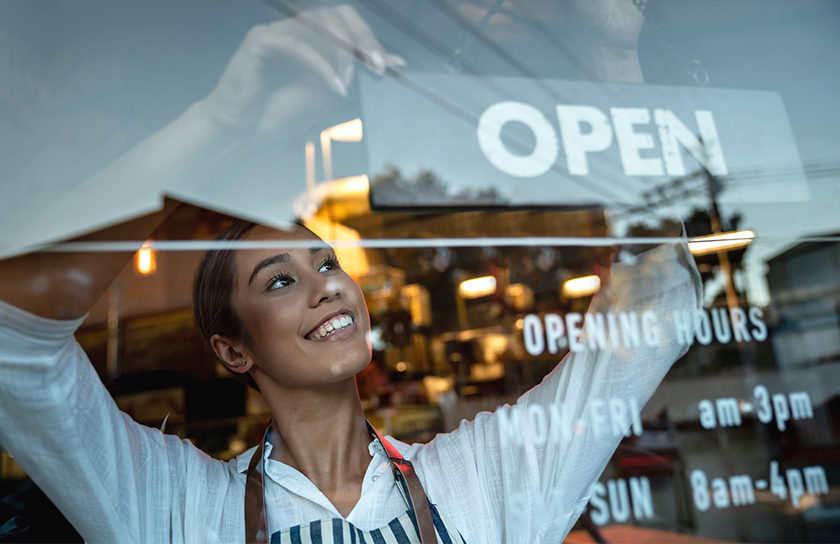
[(212, 294)]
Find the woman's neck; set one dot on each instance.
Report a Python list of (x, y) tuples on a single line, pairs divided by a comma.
[(323, 434)]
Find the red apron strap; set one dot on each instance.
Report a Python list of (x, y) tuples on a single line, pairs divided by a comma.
[(255, 529), (416, 494)]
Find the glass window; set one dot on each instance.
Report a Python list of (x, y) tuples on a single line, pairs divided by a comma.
[(624, 210)]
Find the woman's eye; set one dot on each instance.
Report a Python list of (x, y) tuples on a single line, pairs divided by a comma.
[(329, 264), (278, 282)]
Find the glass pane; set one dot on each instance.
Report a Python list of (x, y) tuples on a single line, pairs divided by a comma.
[(517, 193)]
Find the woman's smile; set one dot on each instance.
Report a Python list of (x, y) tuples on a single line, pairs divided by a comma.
[(336, 326)]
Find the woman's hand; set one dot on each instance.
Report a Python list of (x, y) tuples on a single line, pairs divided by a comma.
[(282, 69), (603, 34), (614, 23), (260, 87), (610, 38)]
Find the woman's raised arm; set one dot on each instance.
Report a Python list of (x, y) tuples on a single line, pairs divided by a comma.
[(114, 479), (529, 467), (59, 285), (58, 421)]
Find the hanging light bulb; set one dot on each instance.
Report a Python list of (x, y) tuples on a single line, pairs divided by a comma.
[(145, 260)]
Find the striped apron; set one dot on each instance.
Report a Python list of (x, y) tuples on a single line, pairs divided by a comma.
[(403, 529)]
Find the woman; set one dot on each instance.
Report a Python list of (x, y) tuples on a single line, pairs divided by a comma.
[(263, 313), (268, 313)]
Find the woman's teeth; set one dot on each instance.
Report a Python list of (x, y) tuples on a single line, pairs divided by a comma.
[(334, 324)]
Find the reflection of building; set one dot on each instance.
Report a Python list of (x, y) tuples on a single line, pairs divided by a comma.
[(805, 292)]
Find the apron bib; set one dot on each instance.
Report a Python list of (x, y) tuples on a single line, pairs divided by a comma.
[(420, 524), (400, 530)]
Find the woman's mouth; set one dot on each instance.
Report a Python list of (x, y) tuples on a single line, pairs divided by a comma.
[(332, 327)]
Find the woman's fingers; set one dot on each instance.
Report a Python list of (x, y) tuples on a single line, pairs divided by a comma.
[(364, 42), (340, 34), (394, 61), (336, 41), (324, 41), (277, 41)]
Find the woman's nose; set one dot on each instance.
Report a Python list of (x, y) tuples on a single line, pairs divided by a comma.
[(325, 289)]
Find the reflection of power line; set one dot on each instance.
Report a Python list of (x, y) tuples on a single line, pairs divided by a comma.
[(551, 38), (496, 48), (665, 194), (441, 50), (714, 186), (711, 186), (475, 32), (678, 188), (812, 170), (612, 199), (419, 35), (692, 66), (479, 26)]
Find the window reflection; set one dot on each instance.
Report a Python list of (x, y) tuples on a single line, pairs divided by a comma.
[(480, 167)]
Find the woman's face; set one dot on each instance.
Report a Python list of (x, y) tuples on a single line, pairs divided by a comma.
[(305, 319)]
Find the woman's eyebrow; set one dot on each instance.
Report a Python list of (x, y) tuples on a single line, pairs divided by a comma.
[(279, 258)]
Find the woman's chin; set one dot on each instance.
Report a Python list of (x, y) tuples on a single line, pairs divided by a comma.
[(348, 369)]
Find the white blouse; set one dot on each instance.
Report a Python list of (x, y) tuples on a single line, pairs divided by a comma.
[(519, 474)]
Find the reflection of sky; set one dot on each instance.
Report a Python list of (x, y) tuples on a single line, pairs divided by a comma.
[(87, 81), (83, 82), (788, 48)]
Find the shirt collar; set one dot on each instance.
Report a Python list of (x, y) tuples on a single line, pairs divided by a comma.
[(243, 460)]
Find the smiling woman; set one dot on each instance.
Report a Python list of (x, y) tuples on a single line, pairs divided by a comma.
[(296, 326), (289, 318), (476, 162)]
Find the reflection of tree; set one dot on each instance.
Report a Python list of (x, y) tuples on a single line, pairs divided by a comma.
[(697, 223), (391, 188)]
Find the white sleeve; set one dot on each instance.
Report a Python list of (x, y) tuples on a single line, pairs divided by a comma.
[(523, 473), (115, 480)]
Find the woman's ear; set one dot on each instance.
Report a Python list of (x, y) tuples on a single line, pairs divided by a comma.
[(231, 354)]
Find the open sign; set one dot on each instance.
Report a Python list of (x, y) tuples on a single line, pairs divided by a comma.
[(587, 129), (571, 143)]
